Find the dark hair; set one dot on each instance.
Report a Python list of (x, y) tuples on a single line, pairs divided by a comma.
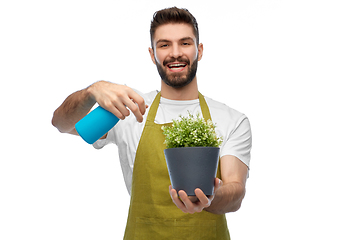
[(173, 15)]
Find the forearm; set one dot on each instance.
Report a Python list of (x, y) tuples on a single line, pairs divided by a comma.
[(228, 198), (75, 107)]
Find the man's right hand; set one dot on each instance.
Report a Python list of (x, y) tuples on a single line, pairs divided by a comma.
[(118, 99), (115, 98)]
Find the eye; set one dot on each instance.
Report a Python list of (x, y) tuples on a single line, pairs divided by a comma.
[(186, 43), (162, 45)]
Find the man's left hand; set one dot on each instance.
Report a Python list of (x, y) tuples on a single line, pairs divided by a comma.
[(182, 201)]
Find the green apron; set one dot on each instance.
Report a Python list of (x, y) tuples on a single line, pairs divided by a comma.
[(152, 214)]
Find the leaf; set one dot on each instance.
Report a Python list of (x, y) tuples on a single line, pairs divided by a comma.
[(191, 131)]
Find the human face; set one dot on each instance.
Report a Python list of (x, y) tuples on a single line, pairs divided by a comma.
[(176, 54)]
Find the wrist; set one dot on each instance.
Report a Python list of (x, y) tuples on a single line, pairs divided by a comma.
[(90, 92)]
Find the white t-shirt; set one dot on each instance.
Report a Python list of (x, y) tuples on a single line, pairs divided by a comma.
[(232, 125)]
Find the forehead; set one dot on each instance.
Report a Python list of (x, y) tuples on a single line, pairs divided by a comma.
[(174, 32)]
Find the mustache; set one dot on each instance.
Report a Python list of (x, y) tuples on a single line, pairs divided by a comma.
[(179, 59)]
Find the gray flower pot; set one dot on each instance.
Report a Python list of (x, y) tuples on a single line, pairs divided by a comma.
[(193, 167)]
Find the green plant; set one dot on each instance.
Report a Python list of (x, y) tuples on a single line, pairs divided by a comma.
[(192, 131)]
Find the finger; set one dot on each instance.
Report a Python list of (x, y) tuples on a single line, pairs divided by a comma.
[(176, 200), (190, 207), (139, 101), (184, 198), (134, 109), (122, 109), (218, 184), (114, 110), (203, 199), (139, 106)]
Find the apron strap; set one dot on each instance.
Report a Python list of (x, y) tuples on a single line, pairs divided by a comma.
[(153, 109), (204, 107)]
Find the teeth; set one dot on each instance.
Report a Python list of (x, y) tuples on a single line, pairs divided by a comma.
[(177, 65)]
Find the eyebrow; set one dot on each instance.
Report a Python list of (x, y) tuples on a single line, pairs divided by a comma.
[(162, 41), (186, 39), (167, 41)]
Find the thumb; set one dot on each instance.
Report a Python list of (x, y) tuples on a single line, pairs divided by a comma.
[(218, 184)]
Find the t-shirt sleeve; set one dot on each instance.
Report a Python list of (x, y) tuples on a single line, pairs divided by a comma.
[(239, 141), (110, 138)]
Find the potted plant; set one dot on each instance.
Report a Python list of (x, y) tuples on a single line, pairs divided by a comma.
[(192, 154)]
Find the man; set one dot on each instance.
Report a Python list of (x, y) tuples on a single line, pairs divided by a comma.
[(156, 210)]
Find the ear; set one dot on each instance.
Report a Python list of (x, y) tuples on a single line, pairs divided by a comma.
[(152, 55), (200, 51)]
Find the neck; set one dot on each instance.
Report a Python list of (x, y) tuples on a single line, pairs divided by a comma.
[(189, 92)]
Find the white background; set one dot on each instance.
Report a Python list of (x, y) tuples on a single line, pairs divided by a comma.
[(291, 66)]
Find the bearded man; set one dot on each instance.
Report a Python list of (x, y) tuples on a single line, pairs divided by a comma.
[(157, 211)]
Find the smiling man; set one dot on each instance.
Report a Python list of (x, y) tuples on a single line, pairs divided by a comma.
[(156, 210), (173, 53)]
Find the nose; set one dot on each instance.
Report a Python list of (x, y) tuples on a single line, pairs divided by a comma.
[(176, 51)]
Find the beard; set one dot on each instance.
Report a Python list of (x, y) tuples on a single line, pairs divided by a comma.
[(177, 80)]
